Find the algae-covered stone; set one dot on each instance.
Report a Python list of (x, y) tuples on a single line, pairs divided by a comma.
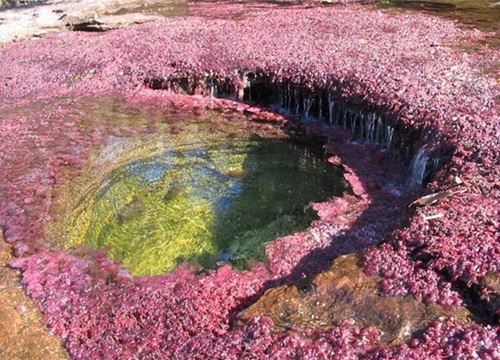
[(345, 292)]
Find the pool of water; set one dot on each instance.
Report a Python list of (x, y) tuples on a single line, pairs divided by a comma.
[(197, 192)]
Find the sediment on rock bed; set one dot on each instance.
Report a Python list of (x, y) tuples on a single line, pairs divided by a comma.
[(345, 293)]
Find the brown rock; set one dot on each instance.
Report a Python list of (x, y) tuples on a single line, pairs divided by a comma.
[(345, 292), (22, 334), (490, 289), (85, 15)]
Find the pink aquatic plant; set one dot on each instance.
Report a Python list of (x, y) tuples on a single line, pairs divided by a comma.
[(409, 71)]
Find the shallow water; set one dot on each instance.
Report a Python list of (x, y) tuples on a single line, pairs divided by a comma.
[(481, 14), (194, 191), (166, 9)]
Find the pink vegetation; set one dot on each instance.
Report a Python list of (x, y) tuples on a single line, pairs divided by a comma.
[(410, 69)]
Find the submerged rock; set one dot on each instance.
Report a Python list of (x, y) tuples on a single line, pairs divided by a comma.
[(345, 292)]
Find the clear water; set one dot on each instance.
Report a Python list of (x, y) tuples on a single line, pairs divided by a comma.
[(481, 14), (203, 196)]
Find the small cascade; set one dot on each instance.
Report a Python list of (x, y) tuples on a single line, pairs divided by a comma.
[(320, 106), (331, 105), (344, 113), (435, 163), (338, 113), (307, 103), (354, 121), (369, 127), (213, 87), (296, 98), (213, 91), (378, 130), (389, 135), (288, 97), (419, 167), (361, 128), (300, 101)]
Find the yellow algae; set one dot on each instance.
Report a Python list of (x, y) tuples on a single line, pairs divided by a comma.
[(215, 192)]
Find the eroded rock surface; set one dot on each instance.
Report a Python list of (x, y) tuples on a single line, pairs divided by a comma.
[(22, 335), (342, 293), (42, 18)]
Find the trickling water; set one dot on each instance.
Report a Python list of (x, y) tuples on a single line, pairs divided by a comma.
[(354, 121), (320, 106), (369, 126), (389, 134), (288, 97), (344, 117), (308, 101), (419, 168), (296, 97), (331, 105), (301, 102), (378, 131)]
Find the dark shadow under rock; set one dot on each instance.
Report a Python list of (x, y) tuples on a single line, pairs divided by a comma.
[(345, 292)]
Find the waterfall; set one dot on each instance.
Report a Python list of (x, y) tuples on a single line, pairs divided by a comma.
[(354, 120), (389, 135), (378, 130), (344, 116), (307, 103), (301, 102), (331, 105), (296, 98), (369, 125), (320, 106), (419, 168)]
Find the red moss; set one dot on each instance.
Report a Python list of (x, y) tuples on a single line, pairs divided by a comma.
[(443, 339), (410, 69)]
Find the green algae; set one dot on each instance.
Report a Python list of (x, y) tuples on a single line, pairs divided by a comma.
[(211, 193)]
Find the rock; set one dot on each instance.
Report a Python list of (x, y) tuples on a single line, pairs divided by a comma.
[(345, 292), (22, 333), (94, 15), (490, 288)]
